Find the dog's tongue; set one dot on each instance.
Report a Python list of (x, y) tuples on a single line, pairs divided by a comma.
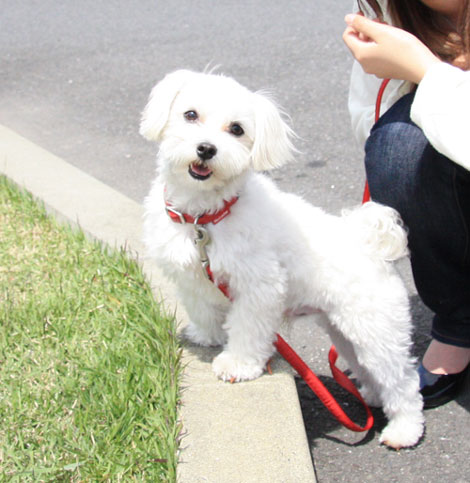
[(201, 169)]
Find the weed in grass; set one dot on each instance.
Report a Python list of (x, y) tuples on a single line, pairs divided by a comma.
[(89, 365)]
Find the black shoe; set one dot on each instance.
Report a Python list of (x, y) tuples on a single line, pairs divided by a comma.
[(438, 389)]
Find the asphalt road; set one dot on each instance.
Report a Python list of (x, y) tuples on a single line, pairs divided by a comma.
[(75, 76)]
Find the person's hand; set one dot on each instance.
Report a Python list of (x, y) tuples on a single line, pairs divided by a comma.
[(385, 51)]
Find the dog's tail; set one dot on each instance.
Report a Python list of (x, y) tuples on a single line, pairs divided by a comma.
[(380, 229)]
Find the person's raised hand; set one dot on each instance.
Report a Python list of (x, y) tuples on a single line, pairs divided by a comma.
[(385, 51)]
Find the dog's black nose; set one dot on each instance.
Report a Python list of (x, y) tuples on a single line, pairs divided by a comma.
[(206, 151)]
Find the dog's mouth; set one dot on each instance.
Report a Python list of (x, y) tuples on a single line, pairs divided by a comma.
[(199, 170)]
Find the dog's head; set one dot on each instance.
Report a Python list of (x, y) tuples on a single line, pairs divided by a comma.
[(211, 129)]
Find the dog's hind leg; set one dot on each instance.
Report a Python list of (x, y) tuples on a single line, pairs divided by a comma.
[(346, 350), (403, 406), (380, 341)]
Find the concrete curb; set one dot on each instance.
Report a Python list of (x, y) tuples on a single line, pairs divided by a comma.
[(248, 432)]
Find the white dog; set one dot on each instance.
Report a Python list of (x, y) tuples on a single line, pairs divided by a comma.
[(278, 255)]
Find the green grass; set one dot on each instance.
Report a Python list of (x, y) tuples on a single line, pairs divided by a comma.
[(89, 363)]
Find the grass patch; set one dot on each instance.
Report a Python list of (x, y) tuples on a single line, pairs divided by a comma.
[(89, 364)]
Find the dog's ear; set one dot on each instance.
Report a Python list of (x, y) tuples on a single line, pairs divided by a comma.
[(161, 98), (272, 144)]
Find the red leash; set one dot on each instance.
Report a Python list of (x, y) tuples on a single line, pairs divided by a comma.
[(378, 102), (319, 388)]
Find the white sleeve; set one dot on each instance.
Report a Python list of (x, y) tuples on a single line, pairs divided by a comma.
[(363, 91), (441, 108)]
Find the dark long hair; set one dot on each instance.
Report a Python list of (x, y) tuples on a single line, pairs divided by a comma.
[(449, 42)]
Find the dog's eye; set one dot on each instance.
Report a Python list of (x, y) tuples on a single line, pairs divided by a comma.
[(236, 129), (191, 116)]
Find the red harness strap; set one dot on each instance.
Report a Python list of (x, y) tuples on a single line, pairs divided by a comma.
[(281, 345)]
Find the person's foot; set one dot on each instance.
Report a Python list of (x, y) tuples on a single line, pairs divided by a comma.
[(442, 373), (439, 389)]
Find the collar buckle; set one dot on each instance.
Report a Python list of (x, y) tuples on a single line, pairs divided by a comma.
[(172, 213)]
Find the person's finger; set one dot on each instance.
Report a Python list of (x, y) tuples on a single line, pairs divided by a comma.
[(364, 26), (353, 39)]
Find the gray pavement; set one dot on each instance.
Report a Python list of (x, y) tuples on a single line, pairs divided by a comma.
[(74, 78)]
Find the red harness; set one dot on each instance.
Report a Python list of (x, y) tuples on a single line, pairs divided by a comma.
[(281, 345)]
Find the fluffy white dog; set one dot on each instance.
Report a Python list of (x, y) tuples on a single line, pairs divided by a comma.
[(278, 255)]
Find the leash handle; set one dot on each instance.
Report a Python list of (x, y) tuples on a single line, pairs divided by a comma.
[(378, 102), (319, 388)]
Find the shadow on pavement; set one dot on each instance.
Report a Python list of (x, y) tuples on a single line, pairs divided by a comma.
[(340, 455)]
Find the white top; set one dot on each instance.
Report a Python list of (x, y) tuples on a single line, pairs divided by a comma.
[(441, 107)]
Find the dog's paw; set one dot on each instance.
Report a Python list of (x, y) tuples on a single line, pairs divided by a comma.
[(216, 336), (402, 433), (229, 367)]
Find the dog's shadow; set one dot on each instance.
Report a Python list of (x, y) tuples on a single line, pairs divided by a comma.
[(320, 423), (201, 353)]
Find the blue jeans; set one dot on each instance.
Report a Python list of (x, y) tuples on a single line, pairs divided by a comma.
[(432, 194)]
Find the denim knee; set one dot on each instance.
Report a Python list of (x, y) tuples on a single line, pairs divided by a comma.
[(432, 194), (394, 145)]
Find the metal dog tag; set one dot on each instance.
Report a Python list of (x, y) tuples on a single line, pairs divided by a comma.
[(201, 240)]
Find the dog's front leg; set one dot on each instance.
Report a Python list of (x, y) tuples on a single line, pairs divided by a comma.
[(206, 310), (251, 326)]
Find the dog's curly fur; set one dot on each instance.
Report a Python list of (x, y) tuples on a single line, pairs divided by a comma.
[(279, 255)]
